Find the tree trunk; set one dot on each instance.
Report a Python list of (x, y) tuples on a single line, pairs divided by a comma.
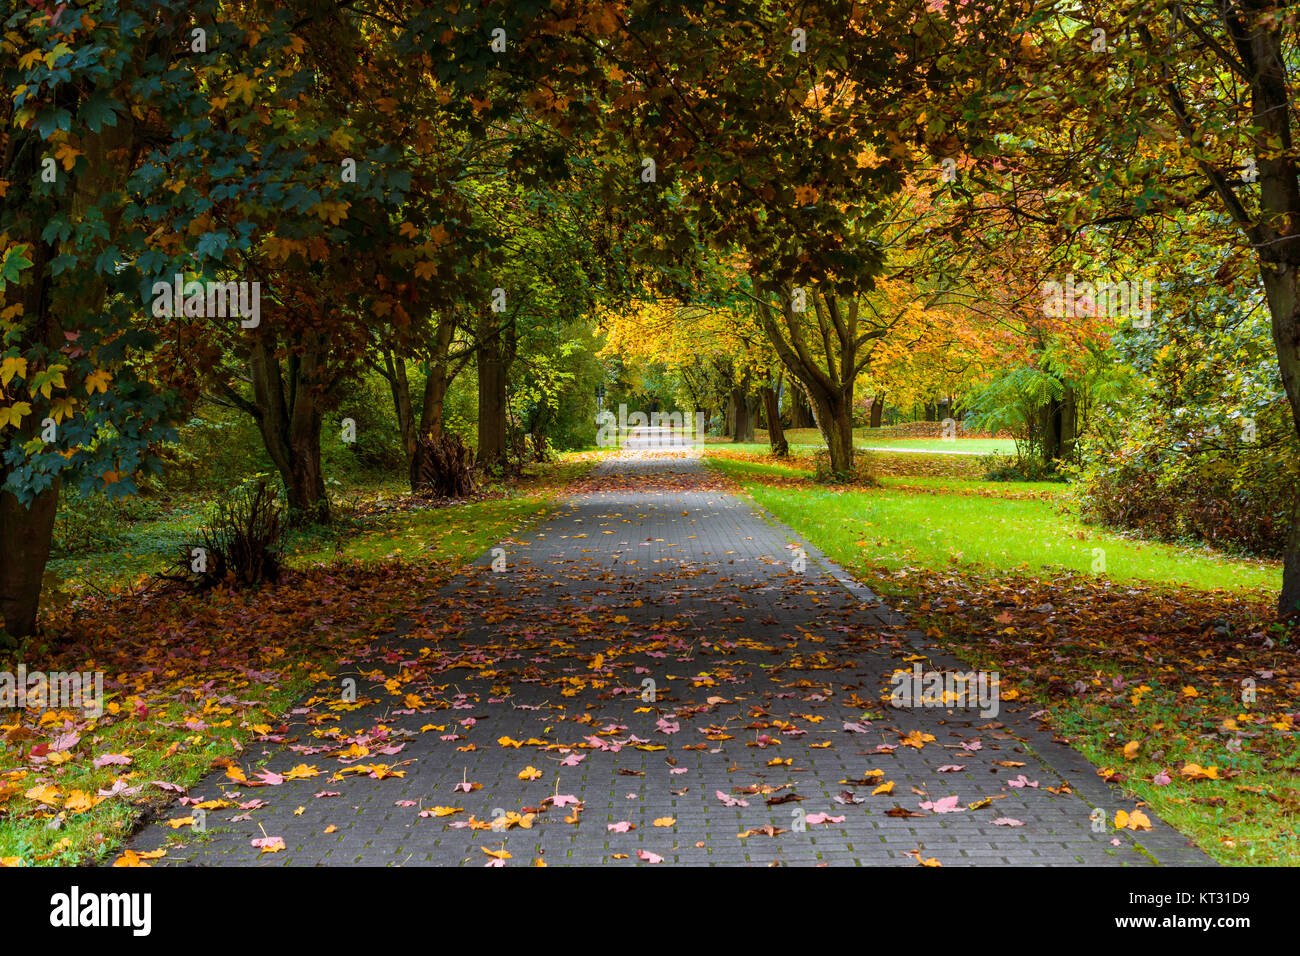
[(25, 535), (877, 409), (400, 387), (829, 385), (835, 419), (746, 405), (775, 433), (26, 532), (1282, 292), (289, 416), (437, 381), (1069, 421)]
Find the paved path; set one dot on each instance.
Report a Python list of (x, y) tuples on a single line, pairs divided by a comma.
[(767, 711)]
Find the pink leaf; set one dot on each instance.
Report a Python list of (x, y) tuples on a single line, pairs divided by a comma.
[(946, 805), (815, 818)]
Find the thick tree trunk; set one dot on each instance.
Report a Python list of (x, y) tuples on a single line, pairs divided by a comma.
[(429, 425), (835, 420), (436, 382), (26, 532), (745, 405), (877, 409), (829, 385), (289, 416), (25, 535), (1282, 292), (775, 433)]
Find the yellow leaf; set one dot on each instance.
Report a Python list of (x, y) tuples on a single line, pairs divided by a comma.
[(13, 414), (665, 821), (242, 87), (884, 789), (10, 367), (54, 55), (97, 381), (529, 773), (67, 155), (1131, 749), (45, 793), (496, 854)]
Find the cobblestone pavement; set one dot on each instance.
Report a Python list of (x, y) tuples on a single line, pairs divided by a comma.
[(651, 650)]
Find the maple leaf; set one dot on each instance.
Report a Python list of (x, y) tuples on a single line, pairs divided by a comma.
[(97, 381)]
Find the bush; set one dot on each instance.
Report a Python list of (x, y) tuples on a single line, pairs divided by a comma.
[(214, 450), (1018, 468), (240, 545), (1236, 496)]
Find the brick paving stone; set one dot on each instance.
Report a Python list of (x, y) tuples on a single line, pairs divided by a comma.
[(657, 540)]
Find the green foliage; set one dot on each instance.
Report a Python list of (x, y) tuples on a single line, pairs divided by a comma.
[(1207, 449), (214, 450), (87, 523), (377, 449)]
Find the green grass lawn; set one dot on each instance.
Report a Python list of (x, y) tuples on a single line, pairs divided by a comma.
[(894, 526)]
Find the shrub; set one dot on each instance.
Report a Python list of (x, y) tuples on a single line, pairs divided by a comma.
[(241, 544), (1018, 468), (1228, 495)]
